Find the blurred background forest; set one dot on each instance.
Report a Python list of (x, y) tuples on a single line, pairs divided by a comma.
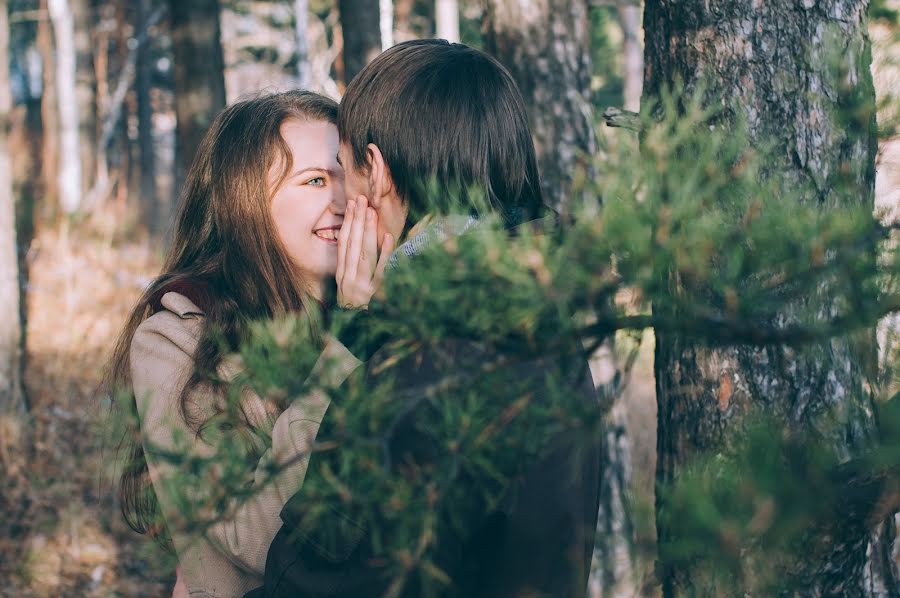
[(105, 102)]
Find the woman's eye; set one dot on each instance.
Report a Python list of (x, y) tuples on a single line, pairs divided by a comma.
[(319, 181)]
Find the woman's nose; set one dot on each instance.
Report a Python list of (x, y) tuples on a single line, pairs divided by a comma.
[(338, 199)]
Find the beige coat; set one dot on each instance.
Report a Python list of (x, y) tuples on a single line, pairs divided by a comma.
[(229, 559)]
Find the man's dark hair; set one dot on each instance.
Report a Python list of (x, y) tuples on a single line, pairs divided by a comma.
[(449, 115)]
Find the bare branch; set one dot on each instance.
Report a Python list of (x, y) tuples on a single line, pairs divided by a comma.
[(623, 119)]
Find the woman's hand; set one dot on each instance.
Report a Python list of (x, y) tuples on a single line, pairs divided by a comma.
[(360, 268)]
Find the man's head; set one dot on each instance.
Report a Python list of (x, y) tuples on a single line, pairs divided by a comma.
[(428, 114)]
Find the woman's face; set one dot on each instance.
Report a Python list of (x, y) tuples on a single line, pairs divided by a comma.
[(308, 208)]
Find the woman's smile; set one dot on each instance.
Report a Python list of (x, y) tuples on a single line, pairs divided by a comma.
[(328, 234)]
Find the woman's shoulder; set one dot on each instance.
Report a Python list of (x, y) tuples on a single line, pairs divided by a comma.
[(176, 320)]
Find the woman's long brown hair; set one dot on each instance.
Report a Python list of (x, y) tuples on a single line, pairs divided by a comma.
[(224, 242)]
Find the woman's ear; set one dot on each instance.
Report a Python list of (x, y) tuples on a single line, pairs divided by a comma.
[(381, 184)]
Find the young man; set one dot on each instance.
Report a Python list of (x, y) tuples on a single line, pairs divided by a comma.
[(429, 115)]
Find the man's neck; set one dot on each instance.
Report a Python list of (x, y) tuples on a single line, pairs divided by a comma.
[(418, 227)]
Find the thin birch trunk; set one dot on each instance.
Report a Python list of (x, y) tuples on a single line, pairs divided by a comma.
[(69, 175), (86, 91), (446, 19), (632, 54), (386, 23)]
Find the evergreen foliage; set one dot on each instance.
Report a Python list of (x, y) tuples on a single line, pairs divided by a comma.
[(496, 311)]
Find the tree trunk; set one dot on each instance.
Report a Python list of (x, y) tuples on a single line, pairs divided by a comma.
[(301, 24), (546, 46), (198, 72), (386, 23), (105, 25), (361, 32), (49, 112), (13, 406), (149, 198), (69, 175), (632, 54), (769, 63), (86, 91), (26, 148), (446, 19), (614, 567)]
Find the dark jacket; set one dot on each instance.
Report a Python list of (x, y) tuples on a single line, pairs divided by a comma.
[(536, 540), (537, 543)]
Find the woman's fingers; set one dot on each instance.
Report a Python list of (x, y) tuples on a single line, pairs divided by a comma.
[(355, 238), (361, 266), (370, 243), (387, 248), (343, 236)]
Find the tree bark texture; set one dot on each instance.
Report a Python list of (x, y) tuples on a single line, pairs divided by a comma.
[(49, 111), (69, 174), (545, 44), (632, 54), (614, 566), (85, 91), (361, 27), (301, 24), (771, 64), (198, 72), (25, 148), (149, 198), (323, 55), (12, 394)]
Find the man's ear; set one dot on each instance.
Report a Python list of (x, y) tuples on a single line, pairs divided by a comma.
[(381, 184)]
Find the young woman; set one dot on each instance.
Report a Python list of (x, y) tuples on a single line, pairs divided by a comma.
[(255, 238)]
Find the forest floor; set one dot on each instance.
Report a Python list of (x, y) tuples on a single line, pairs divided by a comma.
[(80, 289)]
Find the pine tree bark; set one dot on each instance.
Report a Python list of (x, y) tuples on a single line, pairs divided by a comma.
[(361, 27), (69, 175), (149, 198), (546, 46), (769, 63), (198, 72)]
